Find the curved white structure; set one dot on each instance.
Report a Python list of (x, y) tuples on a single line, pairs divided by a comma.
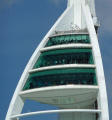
[(66, 69)]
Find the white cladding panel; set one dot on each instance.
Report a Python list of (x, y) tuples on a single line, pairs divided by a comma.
[(66, 22)]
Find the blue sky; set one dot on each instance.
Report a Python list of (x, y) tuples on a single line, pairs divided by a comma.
[(23, 24)]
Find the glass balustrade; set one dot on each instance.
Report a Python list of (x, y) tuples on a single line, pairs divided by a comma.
[(68, 39), (77, 76), (65, 56)]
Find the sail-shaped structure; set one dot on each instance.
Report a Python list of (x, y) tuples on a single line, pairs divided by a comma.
[(66, 69)]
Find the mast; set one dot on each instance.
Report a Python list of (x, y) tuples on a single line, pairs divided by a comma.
[(77, 11)]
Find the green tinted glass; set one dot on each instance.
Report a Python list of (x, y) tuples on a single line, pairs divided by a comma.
[(67, 39), (61, 77), (65, 56)]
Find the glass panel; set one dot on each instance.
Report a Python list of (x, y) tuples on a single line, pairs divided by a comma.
[(65, 56), (67, 39), (61, 77)]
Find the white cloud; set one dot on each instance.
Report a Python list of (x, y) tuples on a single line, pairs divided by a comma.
[(10, 2), (104, 12), (7, 3), (56, 2)]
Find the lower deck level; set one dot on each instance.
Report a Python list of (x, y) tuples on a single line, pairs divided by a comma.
[(63, 114)]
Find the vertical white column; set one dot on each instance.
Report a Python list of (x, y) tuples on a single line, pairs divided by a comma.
[(98, 62), (77, 13)]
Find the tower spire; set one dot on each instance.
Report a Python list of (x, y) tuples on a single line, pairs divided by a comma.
[(78, 12), (66, 69)]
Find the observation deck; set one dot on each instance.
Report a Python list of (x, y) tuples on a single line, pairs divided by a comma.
[(64, 75)]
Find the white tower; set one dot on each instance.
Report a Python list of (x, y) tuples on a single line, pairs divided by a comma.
[(66, 69)]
